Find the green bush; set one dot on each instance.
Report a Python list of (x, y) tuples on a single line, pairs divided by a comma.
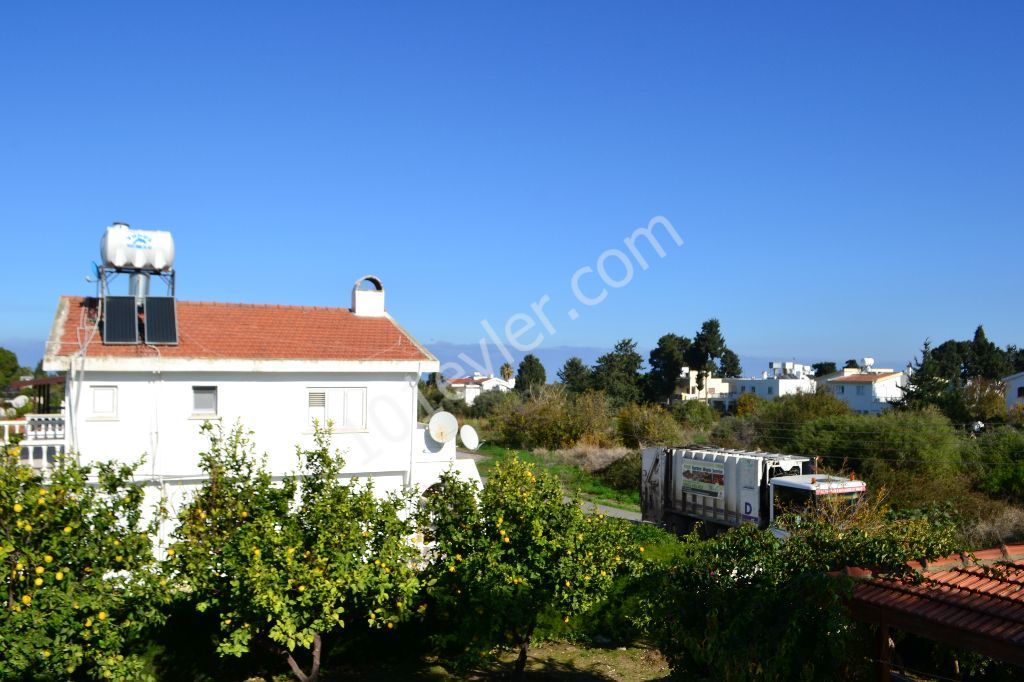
[(643, 425), (778, 421), (623, 473), (921, 441), (996, 458), (551, 418), (735, 432), (748, 606), (694, 414)]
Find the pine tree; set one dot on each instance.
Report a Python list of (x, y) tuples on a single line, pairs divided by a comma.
[(531, 377), (575, 376)]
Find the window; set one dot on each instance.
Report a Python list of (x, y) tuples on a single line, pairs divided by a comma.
[(345, 408), (104, 402), (860, 390), (204, 400), (842, 390), (770, 389), (1020, 392)]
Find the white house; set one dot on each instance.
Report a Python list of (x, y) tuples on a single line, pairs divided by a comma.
[(470, 388), (1014, 390), (782, 378), (144, 375), (868, 392)]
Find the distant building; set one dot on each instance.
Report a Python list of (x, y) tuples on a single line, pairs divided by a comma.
[(866, 389), (1014, 390), (782, 378), (714, 388), (470, 388)]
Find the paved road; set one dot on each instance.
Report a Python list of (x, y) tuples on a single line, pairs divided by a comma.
[(587, 506)]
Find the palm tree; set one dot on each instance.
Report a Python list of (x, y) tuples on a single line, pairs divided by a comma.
[(506, 371)]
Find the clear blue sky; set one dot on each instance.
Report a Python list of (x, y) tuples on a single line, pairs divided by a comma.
[(848, 180)]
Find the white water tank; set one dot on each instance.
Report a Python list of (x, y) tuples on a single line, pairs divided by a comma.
[(123, 247)]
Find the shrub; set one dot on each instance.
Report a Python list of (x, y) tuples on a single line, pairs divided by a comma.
[(997, 459), (623, 473), (735, 432), (500, 561), (922, 441), (284, 567), (550, 418), (488, 402), (643, 425), (746, 605), (79, 574), (694, 414), (779, 420)]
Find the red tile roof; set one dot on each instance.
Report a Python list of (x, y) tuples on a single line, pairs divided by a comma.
[(965, 605), (246, 331), (462, 381), (863, 378)]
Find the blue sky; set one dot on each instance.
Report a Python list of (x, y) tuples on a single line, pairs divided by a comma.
[(847, 180)]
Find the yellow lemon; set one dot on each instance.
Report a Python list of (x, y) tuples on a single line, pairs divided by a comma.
[(60, 575), (390, 625), (40, 570), (102, 615), (505, 538), (302, 588), (26, 600), (17, 508), (88, 622), (170, 551), (39, 581), (67, 529), (46, 653), (48, 559)]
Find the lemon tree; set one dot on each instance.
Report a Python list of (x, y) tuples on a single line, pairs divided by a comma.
[(500, 559), (286, 564), (79, 578)]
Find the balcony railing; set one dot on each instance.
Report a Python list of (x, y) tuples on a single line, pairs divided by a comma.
[(41, 438)]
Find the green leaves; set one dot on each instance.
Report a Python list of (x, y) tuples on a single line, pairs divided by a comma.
[(286, 561), (79, 576), (500, 558)]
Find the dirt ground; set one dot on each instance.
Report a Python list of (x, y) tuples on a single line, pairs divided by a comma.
[(547, 661)]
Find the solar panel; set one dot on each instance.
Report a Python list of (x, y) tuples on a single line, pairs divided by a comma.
[(161, 320), (120, 320)]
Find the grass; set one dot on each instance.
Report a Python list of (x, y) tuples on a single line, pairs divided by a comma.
[(591, 488)]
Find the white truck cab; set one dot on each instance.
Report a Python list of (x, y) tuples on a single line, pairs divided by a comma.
[(793, 493)]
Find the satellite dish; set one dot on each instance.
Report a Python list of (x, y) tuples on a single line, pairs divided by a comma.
[(442, 427), (469, 437)]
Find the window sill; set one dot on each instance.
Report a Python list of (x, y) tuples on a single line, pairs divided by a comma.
[(204, 417), (102, 419)]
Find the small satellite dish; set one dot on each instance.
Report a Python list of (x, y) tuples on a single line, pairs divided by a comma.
[(469, 437), (442, 427)]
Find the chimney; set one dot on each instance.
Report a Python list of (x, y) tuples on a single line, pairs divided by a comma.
[(368, 302)]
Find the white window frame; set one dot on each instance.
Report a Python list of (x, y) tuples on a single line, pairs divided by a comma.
[(111, 415), (196, 414), (346, 406)]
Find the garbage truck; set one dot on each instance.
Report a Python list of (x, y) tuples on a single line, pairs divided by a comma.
[(724, 488)]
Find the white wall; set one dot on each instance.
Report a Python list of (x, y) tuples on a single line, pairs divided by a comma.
[(154, 417), (1014, 386), (872, 397)]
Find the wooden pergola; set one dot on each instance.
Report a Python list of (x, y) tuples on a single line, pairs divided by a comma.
[(977, 605)]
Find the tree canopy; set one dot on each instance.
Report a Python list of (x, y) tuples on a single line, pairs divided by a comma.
[(618, 373), (575, 376), (531, 376)]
